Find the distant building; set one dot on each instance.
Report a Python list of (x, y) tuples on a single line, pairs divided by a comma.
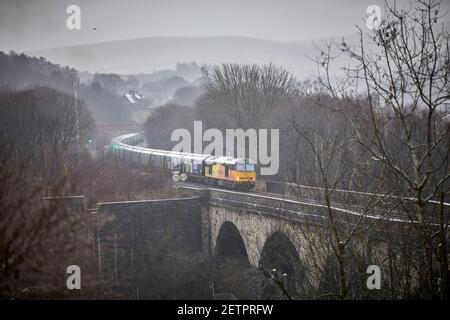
[(446, 107), (132, 97)]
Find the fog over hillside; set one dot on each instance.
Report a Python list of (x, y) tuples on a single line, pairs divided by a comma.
[(155, 53)]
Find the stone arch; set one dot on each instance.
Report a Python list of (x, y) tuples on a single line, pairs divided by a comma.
[(232, 267), (230, 244), (281, 264)]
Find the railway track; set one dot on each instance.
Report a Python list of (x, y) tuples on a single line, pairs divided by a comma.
[(355, 210)]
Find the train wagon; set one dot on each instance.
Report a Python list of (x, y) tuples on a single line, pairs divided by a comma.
[(228, 172)]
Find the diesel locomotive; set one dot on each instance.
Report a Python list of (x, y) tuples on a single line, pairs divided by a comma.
[(224, 171)]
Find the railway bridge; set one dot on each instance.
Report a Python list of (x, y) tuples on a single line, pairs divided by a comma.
[(261, 230), (286, 231)]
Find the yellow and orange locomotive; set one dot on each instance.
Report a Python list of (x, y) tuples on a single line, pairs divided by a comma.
[(233, 173)]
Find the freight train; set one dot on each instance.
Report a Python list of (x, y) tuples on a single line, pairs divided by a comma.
[(224, 171)]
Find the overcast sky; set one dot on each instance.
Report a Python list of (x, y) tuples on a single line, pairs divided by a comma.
[(37, 24)]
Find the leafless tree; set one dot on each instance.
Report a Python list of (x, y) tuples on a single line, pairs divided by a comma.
[(245, 94), (393, 93), (39, 239), (45, 127)]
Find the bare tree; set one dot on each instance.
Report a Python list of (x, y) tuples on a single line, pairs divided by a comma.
[(247, 93), (45, 127), (38, 239), (393, 94)]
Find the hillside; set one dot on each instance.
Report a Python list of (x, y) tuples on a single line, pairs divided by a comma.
[(149, 54)]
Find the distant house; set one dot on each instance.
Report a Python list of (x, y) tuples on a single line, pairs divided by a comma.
[(132, 97), (445, 109)]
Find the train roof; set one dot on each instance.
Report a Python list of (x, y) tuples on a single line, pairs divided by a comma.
[(226, 160), (180, 156)]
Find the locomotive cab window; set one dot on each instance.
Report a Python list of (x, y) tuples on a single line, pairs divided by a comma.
[(250, 167), (245, 167)]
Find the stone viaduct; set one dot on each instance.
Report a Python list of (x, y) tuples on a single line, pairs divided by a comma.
[(224, 223)]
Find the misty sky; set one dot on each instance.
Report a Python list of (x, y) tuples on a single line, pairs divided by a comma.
[(37, 24)]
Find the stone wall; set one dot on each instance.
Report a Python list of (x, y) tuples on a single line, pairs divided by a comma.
[(126, 231)]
